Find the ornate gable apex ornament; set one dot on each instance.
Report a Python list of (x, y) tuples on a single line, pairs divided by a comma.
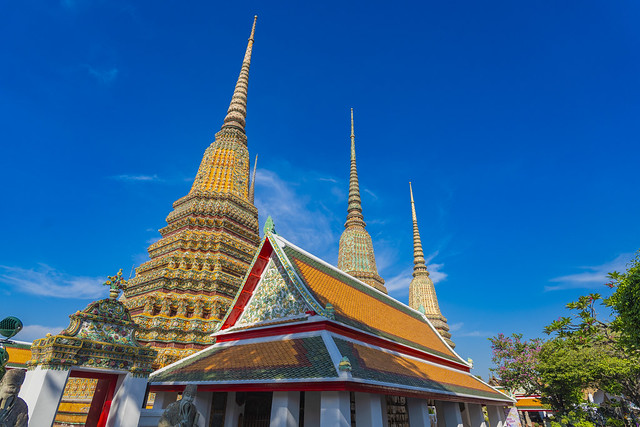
[(100, 336)]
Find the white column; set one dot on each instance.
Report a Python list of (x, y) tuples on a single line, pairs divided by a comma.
[(440, 413), (496, 415), (203, 405), (368, 409), (42, 391), (418, 412), (285, 409), (311, 409), (127, 401), (449, 414), (385, 411), (233, 411), (164, 399), (476, 417), (335, 410)]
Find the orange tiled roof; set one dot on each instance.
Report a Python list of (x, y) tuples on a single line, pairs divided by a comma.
[(530, 403), (368, 310), (374, 364)]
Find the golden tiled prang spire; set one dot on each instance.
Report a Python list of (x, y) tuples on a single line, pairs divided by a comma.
[(355, 255), (422, 293), (180, 294), (237, 112)]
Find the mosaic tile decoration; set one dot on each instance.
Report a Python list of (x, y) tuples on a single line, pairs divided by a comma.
[(373, 364), (274, 298), (282, 359), (358, 305)]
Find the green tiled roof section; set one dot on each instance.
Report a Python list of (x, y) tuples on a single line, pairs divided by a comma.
[(344, 278), (281, 359), (377, 365)]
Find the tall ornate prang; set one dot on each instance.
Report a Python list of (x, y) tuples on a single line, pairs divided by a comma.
[(422, 293), (195, 270), (355, 254)]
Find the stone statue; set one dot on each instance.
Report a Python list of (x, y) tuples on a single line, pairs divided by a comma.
[(13, 410), (182, 413)]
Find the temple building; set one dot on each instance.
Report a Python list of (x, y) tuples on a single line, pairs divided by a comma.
[(422, 293), (307, 344), (184, 290), (267, 332), (355, 253)]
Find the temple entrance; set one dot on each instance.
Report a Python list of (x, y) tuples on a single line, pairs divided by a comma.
[(86, 399), (257, 409)]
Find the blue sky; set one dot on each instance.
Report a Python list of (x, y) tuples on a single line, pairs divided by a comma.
[(517, 123)]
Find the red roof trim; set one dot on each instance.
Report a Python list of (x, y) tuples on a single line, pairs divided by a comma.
[(324, 386), (249, 285), (341, 330)]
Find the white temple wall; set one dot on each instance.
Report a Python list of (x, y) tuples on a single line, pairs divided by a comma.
[(42, 391), (127, 401), (335, 409), (369, 409), (285, 409), (418, 412)]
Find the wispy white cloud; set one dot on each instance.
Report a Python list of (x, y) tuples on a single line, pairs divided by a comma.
[(435, 272), (46, 281), (371, 193), (399, 282), (34, 332), (137, 178), (456, 326), (476, 333), (328, 179), (592, 277), (298, 217), (102, 75)]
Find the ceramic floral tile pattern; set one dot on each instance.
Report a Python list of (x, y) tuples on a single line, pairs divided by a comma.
[(274, 298)]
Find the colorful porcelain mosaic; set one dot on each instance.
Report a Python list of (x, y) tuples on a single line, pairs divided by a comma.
[(100, 336), (274, 298)]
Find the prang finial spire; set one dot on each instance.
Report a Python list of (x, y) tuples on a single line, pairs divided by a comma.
[(422, 293), (418, 255), (354, 209), (253, 181), (355, 254), (237, 112)]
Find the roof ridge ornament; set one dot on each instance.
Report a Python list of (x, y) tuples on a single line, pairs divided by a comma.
[(116, 284), (269, 227)]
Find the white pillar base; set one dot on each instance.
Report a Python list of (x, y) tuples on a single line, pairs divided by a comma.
[(203, 405), (311, 409), (127, 401), (418, 412), (449, 414), (369, 409), (42, 391), (476, 417), (285, 409), (233, 411), (335, 409), (496, 415)]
